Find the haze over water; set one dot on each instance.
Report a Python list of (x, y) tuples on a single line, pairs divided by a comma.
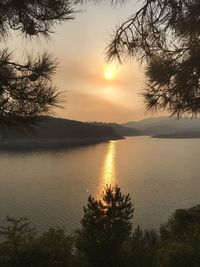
[(50, 188)]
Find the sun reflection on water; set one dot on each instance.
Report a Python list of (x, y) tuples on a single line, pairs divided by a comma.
[(108, 175)]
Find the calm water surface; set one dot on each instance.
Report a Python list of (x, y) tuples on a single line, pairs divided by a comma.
[(50, 188)]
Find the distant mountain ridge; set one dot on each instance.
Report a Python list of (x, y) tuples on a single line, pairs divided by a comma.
[(58, 133), (120, 129), (165, 127)]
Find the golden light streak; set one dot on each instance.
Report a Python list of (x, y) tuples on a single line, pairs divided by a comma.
[(108, 175)]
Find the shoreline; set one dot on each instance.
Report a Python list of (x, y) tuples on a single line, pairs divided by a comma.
[(45, 145)]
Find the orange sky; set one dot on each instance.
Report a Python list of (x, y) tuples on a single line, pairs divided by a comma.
[(79, 47)]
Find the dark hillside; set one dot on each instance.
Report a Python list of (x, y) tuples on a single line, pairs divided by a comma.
[(56, 132)]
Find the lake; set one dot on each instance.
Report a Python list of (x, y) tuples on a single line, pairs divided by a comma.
[(50, 188)]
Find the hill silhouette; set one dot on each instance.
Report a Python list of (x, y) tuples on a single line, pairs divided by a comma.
[(56, 133)]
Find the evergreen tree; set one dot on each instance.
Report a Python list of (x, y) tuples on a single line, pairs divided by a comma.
[(26, 88), (105, 228), (166, 35)]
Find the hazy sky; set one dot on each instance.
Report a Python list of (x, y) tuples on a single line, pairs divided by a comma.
[(79, 46)]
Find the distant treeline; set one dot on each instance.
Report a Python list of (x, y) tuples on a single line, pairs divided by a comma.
[(106, 239)]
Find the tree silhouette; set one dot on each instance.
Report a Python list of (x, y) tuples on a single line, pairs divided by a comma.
[(166, 34), (26, 89), (141, 248), (17, 236), (105, 228), (22, 246)]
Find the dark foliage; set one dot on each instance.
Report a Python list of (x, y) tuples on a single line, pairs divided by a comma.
[(180, 238), (26, 89), (176, 254), (33, 17), (105, 239), (184, 225), (141, 248), (165, 33), (22, 247), (105, 228), (18, 236)]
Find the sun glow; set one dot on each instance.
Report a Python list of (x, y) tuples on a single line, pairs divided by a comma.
[(109, 73)]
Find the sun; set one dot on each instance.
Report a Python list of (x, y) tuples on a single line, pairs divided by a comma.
[(109, 73)]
